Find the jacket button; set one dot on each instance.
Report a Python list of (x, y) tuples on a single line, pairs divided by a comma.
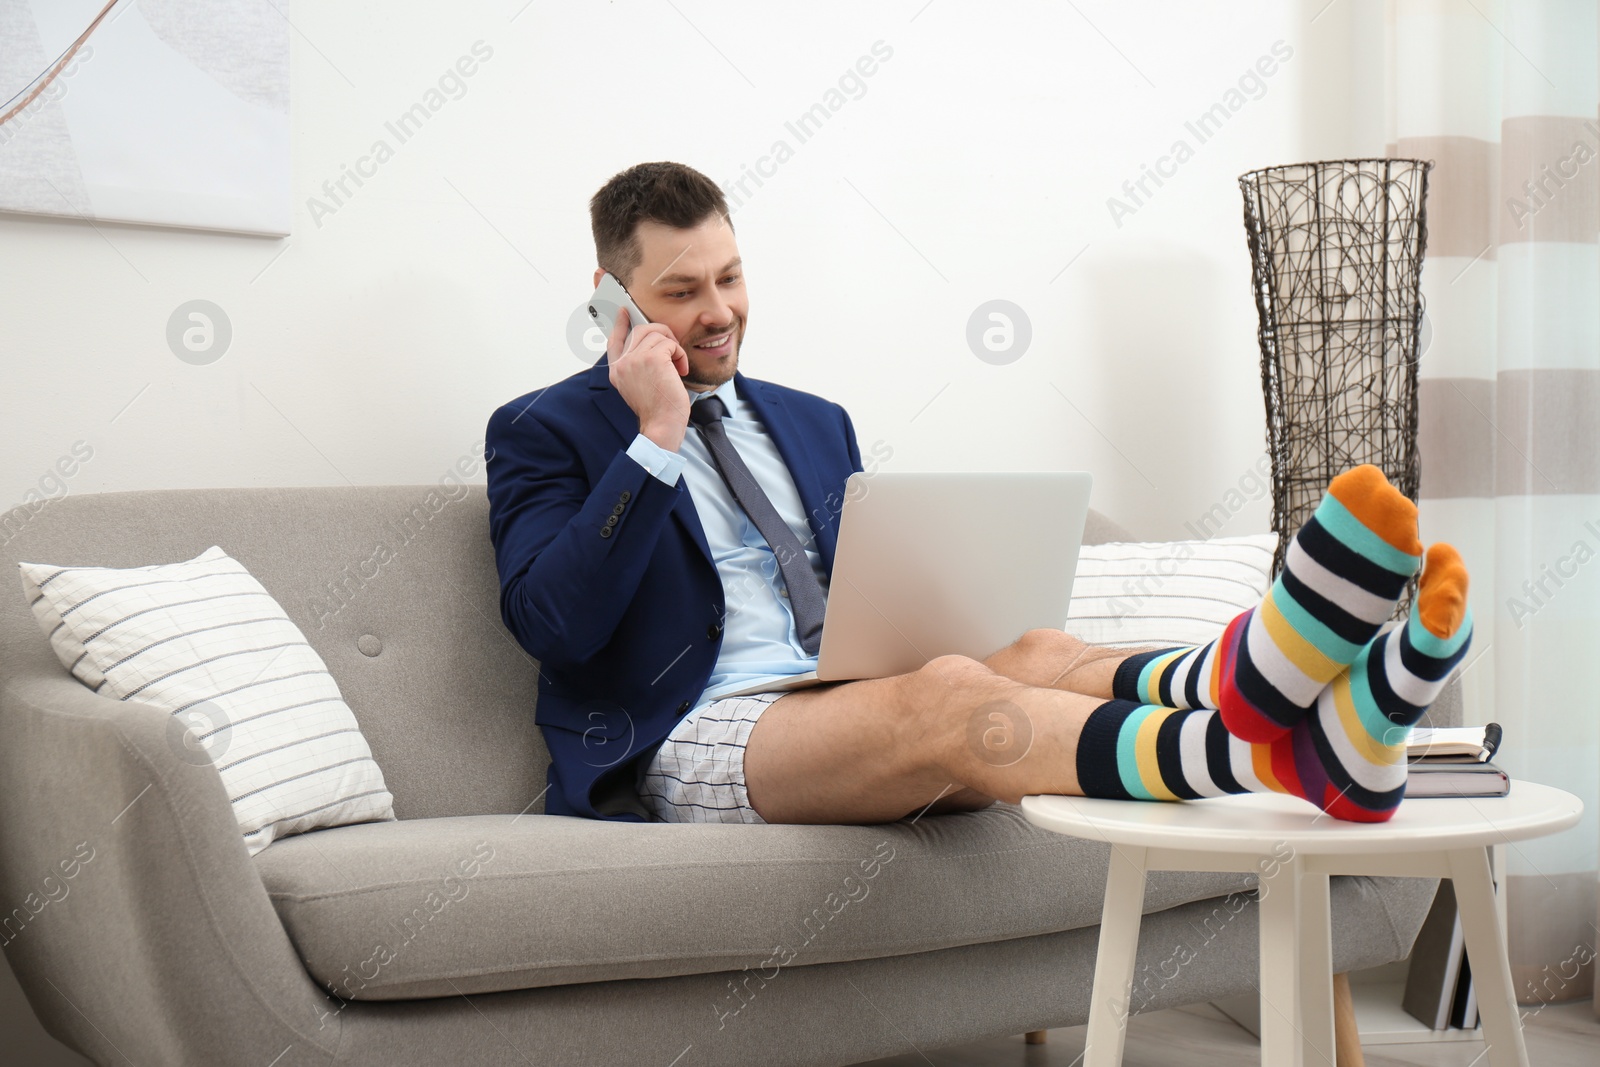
[(617, 510), (605, 531), (713, 631), (683, 707), (611, 520), (624, 496)]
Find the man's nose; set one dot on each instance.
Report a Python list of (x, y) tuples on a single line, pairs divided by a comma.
[(717, 312)]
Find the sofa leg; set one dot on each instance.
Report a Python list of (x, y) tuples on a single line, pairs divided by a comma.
[(1035, 1037), (1346, 1036)]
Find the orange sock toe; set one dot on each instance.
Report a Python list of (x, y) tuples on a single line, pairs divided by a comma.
[(1442, 598), (1380, 507)]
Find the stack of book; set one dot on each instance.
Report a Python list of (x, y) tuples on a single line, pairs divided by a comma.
[(1439, 991), (1448, 762), (1453, 761)]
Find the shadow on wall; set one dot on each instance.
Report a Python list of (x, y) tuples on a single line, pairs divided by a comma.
[(1171, 384)]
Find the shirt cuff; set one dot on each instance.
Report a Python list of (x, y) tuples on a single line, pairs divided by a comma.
[(663, 465)]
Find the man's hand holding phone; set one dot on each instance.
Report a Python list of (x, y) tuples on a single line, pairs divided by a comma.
[(648, 366)]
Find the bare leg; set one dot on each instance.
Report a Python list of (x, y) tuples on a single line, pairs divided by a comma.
[(948, 737), (1045, 659), (1054, 659)]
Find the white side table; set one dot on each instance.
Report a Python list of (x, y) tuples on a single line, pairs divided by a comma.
[(1299, 847)]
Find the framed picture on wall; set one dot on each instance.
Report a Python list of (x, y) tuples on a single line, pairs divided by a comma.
[(167, 112)]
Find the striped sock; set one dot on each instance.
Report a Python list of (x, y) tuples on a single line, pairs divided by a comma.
[(1341, 577), (1182, 677), (1129, 751), (1348, 758)]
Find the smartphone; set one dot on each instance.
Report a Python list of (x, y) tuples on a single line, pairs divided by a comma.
[(608, 297)]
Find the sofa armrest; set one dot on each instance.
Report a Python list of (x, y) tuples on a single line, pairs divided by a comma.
[(1446, 710), (133, 917)]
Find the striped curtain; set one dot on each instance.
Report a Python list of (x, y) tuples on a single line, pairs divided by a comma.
[(1503, 96)]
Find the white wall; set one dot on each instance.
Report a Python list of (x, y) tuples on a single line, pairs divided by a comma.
[(371, 346)]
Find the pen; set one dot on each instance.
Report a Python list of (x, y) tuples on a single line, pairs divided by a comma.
[(1491, 741)]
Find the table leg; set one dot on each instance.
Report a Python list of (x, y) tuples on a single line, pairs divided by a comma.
[(1486, 948), (1316, 971), (1113, 964), (1281, 987)]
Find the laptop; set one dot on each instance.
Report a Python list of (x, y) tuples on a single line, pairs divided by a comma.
[(938, 564)]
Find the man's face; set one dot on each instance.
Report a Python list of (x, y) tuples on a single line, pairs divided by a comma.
[(691, 280)]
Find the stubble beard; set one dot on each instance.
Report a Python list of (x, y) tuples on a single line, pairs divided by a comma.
[(715, 378)]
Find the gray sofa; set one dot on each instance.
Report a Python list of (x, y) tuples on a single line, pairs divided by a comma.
[(572, 941)]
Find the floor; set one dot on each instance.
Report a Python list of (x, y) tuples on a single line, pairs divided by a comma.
[(1560, 1035)]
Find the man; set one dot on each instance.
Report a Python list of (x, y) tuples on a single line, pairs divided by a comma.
[(627, 509)]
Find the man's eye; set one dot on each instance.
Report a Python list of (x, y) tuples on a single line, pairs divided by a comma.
[(731, 278), (684, 292)]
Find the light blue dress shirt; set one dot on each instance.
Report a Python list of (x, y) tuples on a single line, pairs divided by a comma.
[(759, 641)]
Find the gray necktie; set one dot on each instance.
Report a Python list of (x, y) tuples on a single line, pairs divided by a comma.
[(806, 598)]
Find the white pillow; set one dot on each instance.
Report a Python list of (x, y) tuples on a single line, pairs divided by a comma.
[(204, 641), (1167, 592)]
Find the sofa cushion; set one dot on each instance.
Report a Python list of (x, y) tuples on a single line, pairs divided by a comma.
[(474, 904), (204, 641), (1167, 592)]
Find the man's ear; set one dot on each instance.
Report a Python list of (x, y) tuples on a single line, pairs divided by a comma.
[(598, 271)]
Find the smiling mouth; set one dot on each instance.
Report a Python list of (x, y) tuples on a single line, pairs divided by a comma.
[(715, 342)]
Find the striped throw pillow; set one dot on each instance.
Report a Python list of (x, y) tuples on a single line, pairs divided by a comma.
[(204, 641), (1167, 592)]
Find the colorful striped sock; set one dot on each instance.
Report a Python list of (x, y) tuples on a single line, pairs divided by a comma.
[(1341, 577), (1181, 677), (1129, 751), (1348, 758)]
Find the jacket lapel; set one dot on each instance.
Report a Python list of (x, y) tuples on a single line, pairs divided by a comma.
[(626, 423)]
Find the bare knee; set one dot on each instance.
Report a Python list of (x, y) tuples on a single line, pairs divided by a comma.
[(944, 677), (924, 691), (962, 709), (1051, 643), (948, 689)]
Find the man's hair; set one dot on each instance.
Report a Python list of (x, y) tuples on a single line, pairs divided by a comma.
[(669, 193)]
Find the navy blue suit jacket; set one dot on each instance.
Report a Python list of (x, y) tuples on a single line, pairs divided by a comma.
[(625, 616)]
